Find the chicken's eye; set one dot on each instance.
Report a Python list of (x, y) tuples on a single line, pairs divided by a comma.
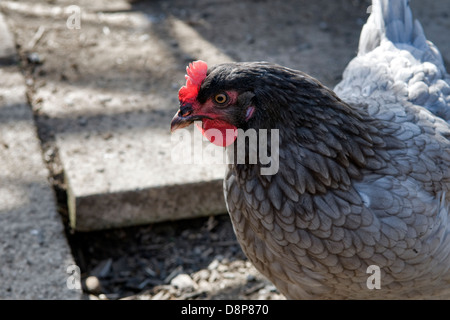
[(221, 98)]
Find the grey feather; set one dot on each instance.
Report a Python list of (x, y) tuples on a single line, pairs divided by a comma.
[(364, 175)]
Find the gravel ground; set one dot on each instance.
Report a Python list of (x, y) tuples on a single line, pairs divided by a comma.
[(189, 259)]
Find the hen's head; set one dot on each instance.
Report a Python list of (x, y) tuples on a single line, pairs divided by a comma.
[(242, 95)]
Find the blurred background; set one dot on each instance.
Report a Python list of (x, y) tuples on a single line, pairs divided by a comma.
[(101, 78)]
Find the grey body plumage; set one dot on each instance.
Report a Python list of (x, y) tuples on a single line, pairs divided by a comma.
[(364, 175)]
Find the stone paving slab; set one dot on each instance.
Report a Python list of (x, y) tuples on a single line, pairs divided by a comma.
[(34, 253), (7, 47)]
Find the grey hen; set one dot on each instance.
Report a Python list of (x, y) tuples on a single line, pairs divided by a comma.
[(363, 180)]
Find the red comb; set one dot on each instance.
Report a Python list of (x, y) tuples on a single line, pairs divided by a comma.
[(196, 73)]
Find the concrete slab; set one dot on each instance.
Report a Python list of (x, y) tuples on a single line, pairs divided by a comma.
[(120, 163), (106, 92), (34, 253), (7, 47), (120, 177)]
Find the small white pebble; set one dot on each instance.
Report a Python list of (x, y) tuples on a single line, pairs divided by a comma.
[(92, 284), (184, 282)]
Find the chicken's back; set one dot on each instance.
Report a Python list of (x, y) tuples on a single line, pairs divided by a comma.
[(400, 77), (396, 63)]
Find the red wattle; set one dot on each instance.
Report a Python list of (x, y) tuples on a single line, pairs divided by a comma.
[(218, 132)]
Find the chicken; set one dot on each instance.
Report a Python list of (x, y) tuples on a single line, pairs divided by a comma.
[(362, 187)]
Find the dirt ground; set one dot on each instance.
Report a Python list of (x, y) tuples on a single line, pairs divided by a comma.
[(114, 50)]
